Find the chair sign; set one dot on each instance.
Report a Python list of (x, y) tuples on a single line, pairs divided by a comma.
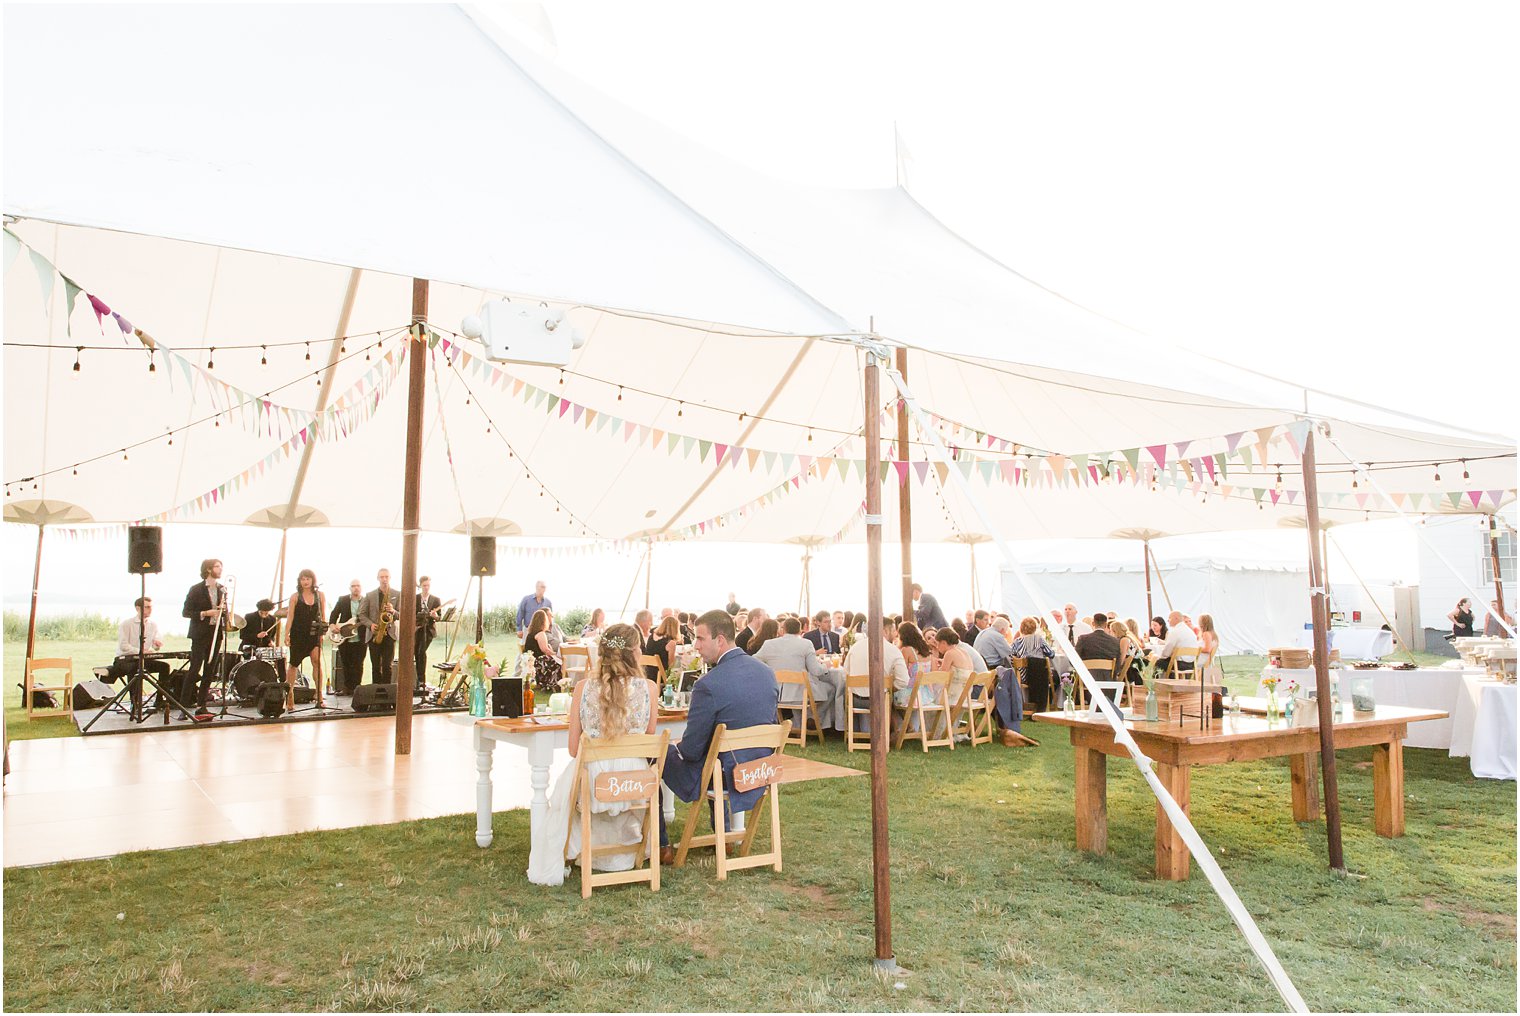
[(638, 785), (762, 772)]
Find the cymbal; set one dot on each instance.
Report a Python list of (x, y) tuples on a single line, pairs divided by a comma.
[(236, 622)]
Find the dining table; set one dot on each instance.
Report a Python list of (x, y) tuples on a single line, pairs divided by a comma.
[(1417, 688), (1176, 748)]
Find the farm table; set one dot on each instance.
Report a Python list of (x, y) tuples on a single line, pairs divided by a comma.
[(1177, 748)]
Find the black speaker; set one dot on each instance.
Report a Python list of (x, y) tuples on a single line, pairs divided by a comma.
[(482, 555), (506, 696), (91, 693), (145, 550), (379, 697)]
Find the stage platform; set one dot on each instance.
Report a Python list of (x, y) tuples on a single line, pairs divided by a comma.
[(339, 707)]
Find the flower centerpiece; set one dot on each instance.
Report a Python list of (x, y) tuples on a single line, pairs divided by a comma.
[(1269, 682), (1152, 702), (1068, 694), (474, 661), (1291, 691)]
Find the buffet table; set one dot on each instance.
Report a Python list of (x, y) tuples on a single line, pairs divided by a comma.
[(1431, 688), (1354, 643), (1483, 727)]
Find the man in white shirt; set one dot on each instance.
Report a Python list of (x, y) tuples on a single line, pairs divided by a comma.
[(1073, 627), (790, 651), (1178, 637), (128, 634), (857, 663)]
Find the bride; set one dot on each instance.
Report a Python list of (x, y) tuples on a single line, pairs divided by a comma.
[(614, 699)]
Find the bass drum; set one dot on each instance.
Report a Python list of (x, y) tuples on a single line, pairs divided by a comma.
[(248, 675)]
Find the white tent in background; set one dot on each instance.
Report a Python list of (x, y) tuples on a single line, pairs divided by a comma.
[(268, 254)]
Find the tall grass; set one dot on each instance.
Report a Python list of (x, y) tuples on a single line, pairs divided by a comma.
[(62, 627)]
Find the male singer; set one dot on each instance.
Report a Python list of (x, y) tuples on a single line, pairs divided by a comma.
[(205, 601)]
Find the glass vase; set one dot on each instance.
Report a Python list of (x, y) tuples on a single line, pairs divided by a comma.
[(1152, 707), (1272, 708), (478, 698)]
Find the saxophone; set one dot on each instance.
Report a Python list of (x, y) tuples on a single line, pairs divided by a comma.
[(387, 616)]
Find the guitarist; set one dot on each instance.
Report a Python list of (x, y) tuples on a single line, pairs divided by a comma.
[(429, 608), (377, 623), (350, 669)]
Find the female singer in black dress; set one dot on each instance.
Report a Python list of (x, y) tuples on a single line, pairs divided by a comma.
[(303, 634)]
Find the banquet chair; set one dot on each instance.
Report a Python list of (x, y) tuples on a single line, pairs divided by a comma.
[(1192, 653), (806, 709), (646, 660), (1117, 687), (772, 736), (1102, 670), (857, 689), (935, 686), (975, 710), (643, 747), (1020, 667), (577, 661), (65, 665)]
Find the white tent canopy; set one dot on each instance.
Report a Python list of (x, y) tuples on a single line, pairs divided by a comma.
[(232, 227)]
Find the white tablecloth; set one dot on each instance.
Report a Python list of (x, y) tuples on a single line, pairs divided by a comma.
[(1493, 736), (1464, 713), (831, 709), (1354, 643), (1427, 687)]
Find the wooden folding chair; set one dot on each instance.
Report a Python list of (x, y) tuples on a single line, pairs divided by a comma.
[(807, 709), (772, 736), (1020, 667), (640, 788), (975, 710), (577, 660), (1191, 653), (1117, 687), (916, 708), (859, 685), (1101, 670), (64, 664)]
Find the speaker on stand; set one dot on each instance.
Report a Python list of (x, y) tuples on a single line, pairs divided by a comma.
[(482, 563)]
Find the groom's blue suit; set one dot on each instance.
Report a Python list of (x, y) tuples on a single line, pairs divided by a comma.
[(739, 691)]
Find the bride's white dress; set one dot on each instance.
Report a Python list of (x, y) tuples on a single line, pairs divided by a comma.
[(611, 821)]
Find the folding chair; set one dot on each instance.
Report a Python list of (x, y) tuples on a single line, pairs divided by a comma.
[(807, 709), (64, 664), (1117, 687), (938, 680), (772, 736), (859, 685), (1191, 653), (640, 788), (975, 710), (1020, 666), (577, 660), (1101, 670)]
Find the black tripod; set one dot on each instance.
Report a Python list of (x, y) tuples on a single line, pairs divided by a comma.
[(134, 685)]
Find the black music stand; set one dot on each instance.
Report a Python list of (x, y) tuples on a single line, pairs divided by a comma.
[(136, 681)]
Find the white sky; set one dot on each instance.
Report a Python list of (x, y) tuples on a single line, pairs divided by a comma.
[(1322, 191)]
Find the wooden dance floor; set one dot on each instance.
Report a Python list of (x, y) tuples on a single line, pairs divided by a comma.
[(81, 797)]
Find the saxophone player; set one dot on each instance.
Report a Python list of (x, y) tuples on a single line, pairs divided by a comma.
[(377, 623)]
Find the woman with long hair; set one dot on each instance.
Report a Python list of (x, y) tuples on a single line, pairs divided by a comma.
[(303, 632), (1129, 647), (1208, 639), (1461, 619), (663, 643), (547, 666), (615, 699), (769, 629), (593, 630)]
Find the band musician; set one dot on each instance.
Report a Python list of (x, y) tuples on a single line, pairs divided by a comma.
[(205, 605), (259, 629), (377, 623), (350, 668), (134, 634), (429, 610)]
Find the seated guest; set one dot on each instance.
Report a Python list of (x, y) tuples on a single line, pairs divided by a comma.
[(738, 692), (135, 630), (959, 627), (1129, 648), (1099, 644), (687, 632), (662, 646), (548, 668), (996, 651), (992, 642), (644, 622), (823, 636), (1208, 639), (258, 629), (951, 654), (598, 624), (897, 672), (769, 629), (917, 656), (1031, 647), (1178, 636), (790, 651), (751, 628)]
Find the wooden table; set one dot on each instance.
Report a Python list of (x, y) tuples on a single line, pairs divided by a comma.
[(1176, 749)]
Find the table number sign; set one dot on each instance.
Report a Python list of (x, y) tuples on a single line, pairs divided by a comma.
[(761, 772), (638, 785)]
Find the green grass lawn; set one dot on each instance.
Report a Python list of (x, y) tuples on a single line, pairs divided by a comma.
[(993, 907)]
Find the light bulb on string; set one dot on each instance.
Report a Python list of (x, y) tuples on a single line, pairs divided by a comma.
[(211, 359), (1437, 468), (680, 409), (1465, 474), (620, 393), (308, 351), (263, 356), (77, 351), (152, 365), (562, 377)]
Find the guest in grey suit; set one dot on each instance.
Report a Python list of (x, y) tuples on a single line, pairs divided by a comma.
[(382, 652), (790, 651), (739, 691)]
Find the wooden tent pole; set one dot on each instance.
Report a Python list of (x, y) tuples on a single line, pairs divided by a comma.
[(880, 865), (1493, 553), (1159, 577), (648, 573), (406, 608), (1149, 611), (31, 624), (904, 495), (1321, 616)]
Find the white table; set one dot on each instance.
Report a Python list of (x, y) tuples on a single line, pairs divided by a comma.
[(541, 741), (1423, 688), (1354, 643), (1483, 726)]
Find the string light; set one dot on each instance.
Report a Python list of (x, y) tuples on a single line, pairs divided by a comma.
[(810, 433), (620, 393), (562, 377), (308, 351), (77, 351), (1465, 475), (681, 409), (211, 359), (1437, 467), (152, 364), (264, 356)]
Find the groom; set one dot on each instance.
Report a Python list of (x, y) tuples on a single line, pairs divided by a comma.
[(739, 691)]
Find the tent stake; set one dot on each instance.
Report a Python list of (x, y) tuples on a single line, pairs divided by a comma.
[(406, 609), (1321, 617), (880, 725), (904, 496), (31, 624)]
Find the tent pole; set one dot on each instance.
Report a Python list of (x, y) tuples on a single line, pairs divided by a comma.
[(1324, 568), (1321, 618), (31, 624), (1149, 611), (881, 884), (807, 592), (648, 572), (904, 494), (1159, 577), (633, 583), (971, 552), (1493, 553), (406, 613)]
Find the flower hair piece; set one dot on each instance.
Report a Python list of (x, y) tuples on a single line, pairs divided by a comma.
[(614, 642)]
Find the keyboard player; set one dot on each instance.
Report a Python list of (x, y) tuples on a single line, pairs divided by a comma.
[(135, 628)]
